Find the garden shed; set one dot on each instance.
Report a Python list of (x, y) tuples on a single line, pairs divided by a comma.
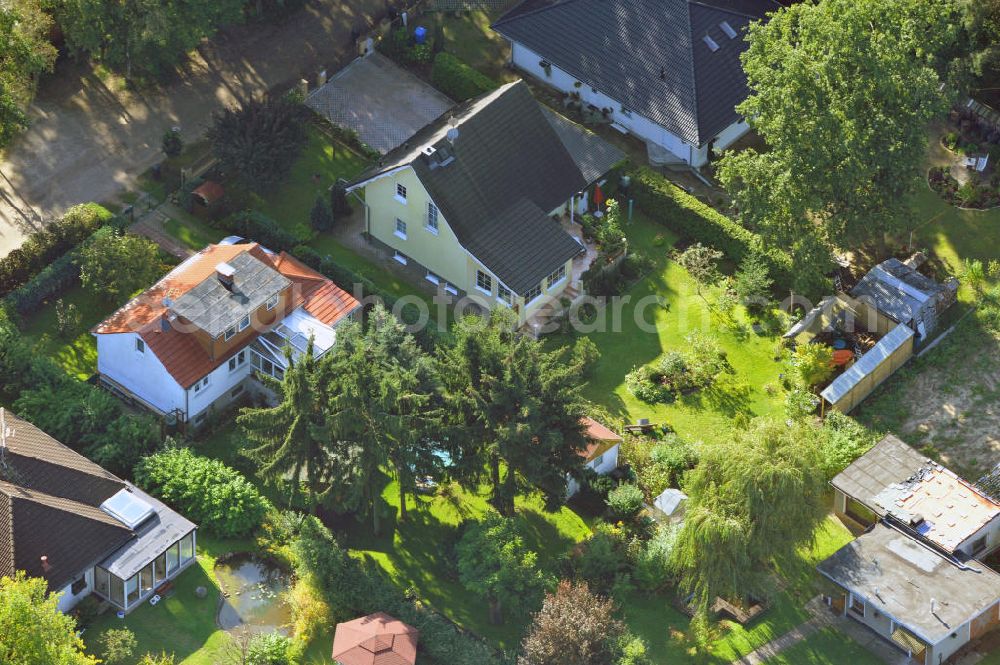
[(901, 292), (871, 369)]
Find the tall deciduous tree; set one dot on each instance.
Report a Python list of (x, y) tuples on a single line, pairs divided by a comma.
[(574, 627), (841, 91), (25, 54), (32, 629), (495, 564), (259, 140), (142, 37), (512, 406), (115, 265), (381, 388), (754, 499)]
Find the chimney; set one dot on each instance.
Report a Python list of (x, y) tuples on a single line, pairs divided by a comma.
[(45, 564), (225, 273), (933, 606)]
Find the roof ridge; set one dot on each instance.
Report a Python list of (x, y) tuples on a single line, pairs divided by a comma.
[(77, 508), (727, 10), (537, 10)]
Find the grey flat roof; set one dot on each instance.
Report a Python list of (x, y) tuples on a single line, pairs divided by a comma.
[(214, 308), (889, 461), (867, 364), (151, 538), (900, 577)]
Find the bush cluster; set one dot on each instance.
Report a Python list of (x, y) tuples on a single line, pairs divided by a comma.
[(43, 247), (205, 490), (457, 79), (679, 372), (353, 587), (260, 228), (81, 416), (612, 279), (671, 206)]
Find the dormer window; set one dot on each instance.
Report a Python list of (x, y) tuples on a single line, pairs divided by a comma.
[(272, 302), (229, 334), (244, 323)]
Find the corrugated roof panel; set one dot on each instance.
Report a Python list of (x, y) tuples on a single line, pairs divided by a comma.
[(865, 365)]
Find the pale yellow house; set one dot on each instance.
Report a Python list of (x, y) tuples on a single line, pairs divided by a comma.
[(471, 200)]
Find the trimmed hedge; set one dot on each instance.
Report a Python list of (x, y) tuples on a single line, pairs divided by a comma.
[(260, 228), (457, 79), (43, 247), (668, 204)]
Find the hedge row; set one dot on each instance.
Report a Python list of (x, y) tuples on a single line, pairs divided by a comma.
[(457, 79), (43, 247), (260, 228), (354, 588), (667, 204), (81, 416)]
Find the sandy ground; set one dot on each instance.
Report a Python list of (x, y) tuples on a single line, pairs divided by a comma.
[(89, 141)]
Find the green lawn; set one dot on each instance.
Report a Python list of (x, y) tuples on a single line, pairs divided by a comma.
[(665, 628), (469, 38), (826, 647), (412, 551), (707, 414), (191, 231), (184, 624)]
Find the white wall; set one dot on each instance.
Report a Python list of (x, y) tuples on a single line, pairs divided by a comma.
[(949, 645), (609, 462), (992, 532), (142, 374), (527, 60), (220, 382), (68, 601)]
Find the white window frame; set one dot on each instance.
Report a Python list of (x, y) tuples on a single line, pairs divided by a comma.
[(140, 345), (505, 295), (229, 334), (401, 258), (400, 194), (537, 290), (451, 288), (272, 302), (561, 272), (626, 113), (598, 461), (400, 231), (488, 279), (433, 214), (432, 278), (200, 386), (244, 323), (238, 360)]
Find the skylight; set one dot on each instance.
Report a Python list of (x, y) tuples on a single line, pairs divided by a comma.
[(128, 508), (712, 46), (728, 29)]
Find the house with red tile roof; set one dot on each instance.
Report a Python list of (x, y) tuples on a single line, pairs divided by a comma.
[(601, 453), (376, 639), (195, 340)]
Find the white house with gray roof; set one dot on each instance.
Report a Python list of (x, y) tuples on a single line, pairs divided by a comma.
[(667, 71)]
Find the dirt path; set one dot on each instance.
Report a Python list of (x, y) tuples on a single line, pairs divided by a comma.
[(88, 142)]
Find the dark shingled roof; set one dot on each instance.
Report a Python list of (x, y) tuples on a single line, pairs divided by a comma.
[(509, 171), (50, 498), (593, 155), (214, 308), (649, 55), (889, 461)]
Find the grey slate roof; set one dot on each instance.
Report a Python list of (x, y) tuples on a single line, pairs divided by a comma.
[(889, 461), (214, 308), (897, 290), (899, 577), (593, 155), (649, 55), (509, 171)]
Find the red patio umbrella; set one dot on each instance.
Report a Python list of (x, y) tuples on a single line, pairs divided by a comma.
[(598, 196)]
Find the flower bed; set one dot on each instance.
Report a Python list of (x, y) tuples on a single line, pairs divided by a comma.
[(978, 192)]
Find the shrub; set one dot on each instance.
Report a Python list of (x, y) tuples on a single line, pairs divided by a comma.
[(457, 79), (338, 201), (207, 491), (800, 403), (114, 265), (843, 441), (268, 649), (573, 626), (652, 565), (321, 217), (258, 227), (671, 206), (677, 372), (68, 319), (54, 279), (118, 645), (600, 561), (673, 457), (813, 363), (171, 144), (43, 247), (625, 501)]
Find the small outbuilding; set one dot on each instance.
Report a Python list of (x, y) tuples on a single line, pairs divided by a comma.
[(601, 453), (901, 292), (671, 504), (208, 193), (376, 639)]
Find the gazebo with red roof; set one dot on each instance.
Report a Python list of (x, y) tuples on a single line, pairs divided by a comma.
[(376, 639)]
